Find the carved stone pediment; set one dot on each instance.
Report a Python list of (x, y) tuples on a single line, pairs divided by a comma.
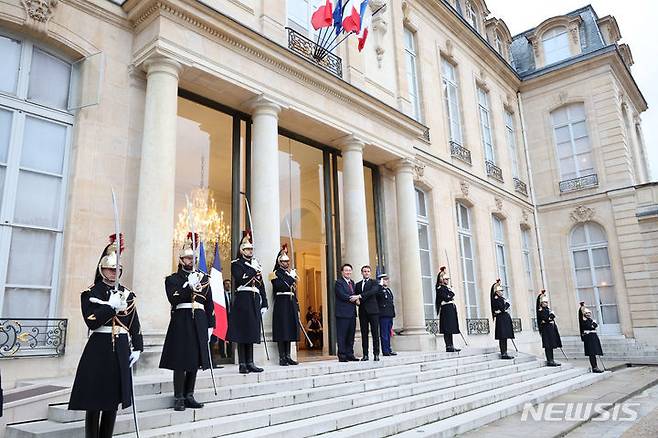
[(38, 13), (582, 214)]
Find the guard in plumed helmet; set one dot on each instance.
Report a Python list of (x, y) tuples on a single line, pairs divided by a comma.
[(185, 348), (103, 379), (550, 336), (285, 313), (446, 309), (249, 305), (386, 304), (502, 319), (589, 336)]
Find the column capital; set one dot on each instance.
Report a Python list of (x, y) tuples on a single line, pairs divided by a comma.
[(262, 104), (351, 143), (162, 64), (404, 165)]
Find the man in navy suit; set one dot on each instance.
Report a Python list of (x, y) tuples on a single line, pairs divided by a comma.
[(346, 301), (368, 291)]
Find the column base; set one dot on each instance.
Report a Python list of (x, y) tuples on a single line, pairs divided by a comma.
[(415, 342)]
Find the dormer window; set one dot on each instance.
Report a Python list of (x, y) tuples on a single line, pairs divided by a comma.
[(498, 44), (472, 16), (556, 45)]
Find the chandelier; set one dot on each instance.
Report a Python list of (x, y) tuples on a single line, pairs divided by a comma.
[(208, 223)]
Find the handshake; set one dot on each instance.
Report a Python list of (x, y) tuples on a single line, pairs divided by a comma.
[(356, 299)]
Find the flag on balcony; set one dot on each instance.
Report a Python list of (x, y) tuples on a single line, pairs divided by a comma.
[(323, 16), (338, 17), (366, 21), (218, 297), (352, 21)]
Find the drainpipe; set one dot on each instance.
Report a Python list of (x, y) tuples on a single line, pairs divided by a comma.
[(540, 247)]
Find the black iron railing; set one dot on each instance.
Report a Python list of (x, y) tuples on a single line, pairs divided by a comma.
[(32, 337), (494, 171), (477, 326), (432, 326), (516, 325), (318, 55), (460, 152), (426, 134), (581, 183), (520, 187)]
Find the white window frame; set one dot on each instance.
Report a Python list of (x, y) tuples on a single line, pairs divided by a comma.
[(305, 29), (553, 56), (510, 133), (484, 112), (413, 83), (526, 245), (423, 221), (21, 108), (580, 172), (453, 111), (472, 15), (502, 266), (464, 235)]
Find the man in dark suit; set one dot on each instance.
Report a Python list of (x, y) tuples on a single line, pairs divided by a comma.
[(346, 301), (368, 290)]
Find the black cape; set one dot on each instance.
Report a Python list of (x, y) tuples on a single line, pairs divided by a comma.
[(244, 319), (503, 321), (591, 341), (448, 320), (186, 344), (103, 379), (285, 315)]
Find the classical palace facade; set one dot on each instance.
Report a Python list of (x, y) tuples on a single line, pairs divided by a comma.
[(445, 142)]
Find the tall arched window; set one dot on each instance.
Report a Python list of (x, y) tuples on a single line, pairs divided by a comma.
[(593, 274), (556, 45), (574, 151), (423, 221), (500, 247), (467, 260), (472, 15)]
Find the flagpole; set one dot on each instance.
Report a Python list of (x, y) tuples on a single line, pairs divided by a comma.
[(329, 34), (331, 44)]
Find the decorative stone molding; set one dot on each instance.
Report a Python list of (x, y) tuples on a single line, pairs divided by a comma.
[(499, 203), (379, 28), (465, 187), (419, 170), (38, 13), (582, 214), (525, 216), (563, 96)]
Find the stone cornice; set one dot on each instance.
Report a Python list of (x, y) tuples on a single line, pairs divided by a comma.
[(105, 13), (249, 42)]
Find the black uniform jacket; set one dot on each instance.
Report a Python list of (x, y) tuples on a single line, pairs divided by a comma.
[(550, 336), (445, 304), (103, 379), (249, 297), (369, 293), (285, 316), (591, 340), (504, 328), (386, 303), (186, 344)]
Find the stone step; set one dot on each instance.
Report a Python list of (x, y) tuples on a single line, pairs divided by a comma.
[(422, 381), (293, 421), (445, 403), (461, 423)]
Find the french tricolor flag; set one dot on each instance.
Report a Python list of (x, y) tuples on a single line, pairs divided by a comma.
[(218, 297)]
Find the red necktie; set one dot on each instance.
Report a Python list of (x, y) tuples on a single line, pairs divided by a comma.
[(349, 283)]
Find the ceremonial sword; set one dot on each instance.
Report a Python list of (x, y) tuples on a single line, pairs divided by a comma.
[(450, 279)]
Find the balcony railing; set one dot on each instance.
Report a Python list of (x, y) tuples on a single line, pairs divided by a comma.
[(32, 337), (494, 171), (516, 325), (580, 183), (460, 152), (312, 52), (477, 326), (520, 187), (426, 134), (432, 326)]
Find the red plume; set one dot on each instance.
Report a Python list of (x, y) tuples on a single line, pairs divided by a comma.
[(284, 248), (196, 239), (113, 239), (442, 268)]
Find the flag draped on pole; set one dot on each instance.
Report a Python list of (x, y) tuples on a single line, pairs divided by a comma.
[(352, 20), (218, 297), (323, 16), (338, 17), (203, 265), (366, 21)]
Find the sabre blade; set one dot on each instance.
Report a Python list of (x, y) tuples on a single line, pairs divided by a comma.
[(190, 223), (117, 234)]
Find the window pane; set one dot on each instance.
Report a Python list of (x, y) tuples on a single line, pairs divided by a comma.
[(5, 133), (609, 315), (560, 116), (596, 233), (43, 145), (562, 135), (568, 168), (576, 111), (26, 303), (578, 236), (564, 150), (581, 145), (49, 80), (31, 255), (468, 251), (423, 237), (600, 257), (583, 278), (579, 129), (10, 53), (581, 259), (37, 199), (420, 203), (470, 271), (603, 276), (425, 265), (3, 172)]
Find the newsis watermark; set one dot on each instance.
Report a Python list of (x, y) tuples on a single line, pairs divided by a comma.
[(580, 411)]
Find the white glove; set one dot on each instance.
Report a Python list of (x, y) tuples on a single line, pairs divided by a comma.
[(117, 302), (134, 357), (263, 311), (210, 330), (194, 281), (293, 274)]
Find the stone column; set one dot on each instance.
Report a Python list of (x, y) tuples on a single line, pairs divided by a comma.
[(154, 231), (354, 202), (264, 200), (414, 336)]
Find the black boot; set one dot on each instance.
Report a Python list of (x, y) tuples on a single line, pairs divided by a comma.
[(288, 357), (91, 424), (108, 418), (190, 380), (503, 349), (549, 358), (242, 358), (250, 360), (179, 388), (283, 360), (592, 362)]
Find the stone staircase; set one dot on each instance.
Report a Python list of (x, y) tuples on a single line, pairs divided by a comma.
[(419, 394), (615, 347)]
